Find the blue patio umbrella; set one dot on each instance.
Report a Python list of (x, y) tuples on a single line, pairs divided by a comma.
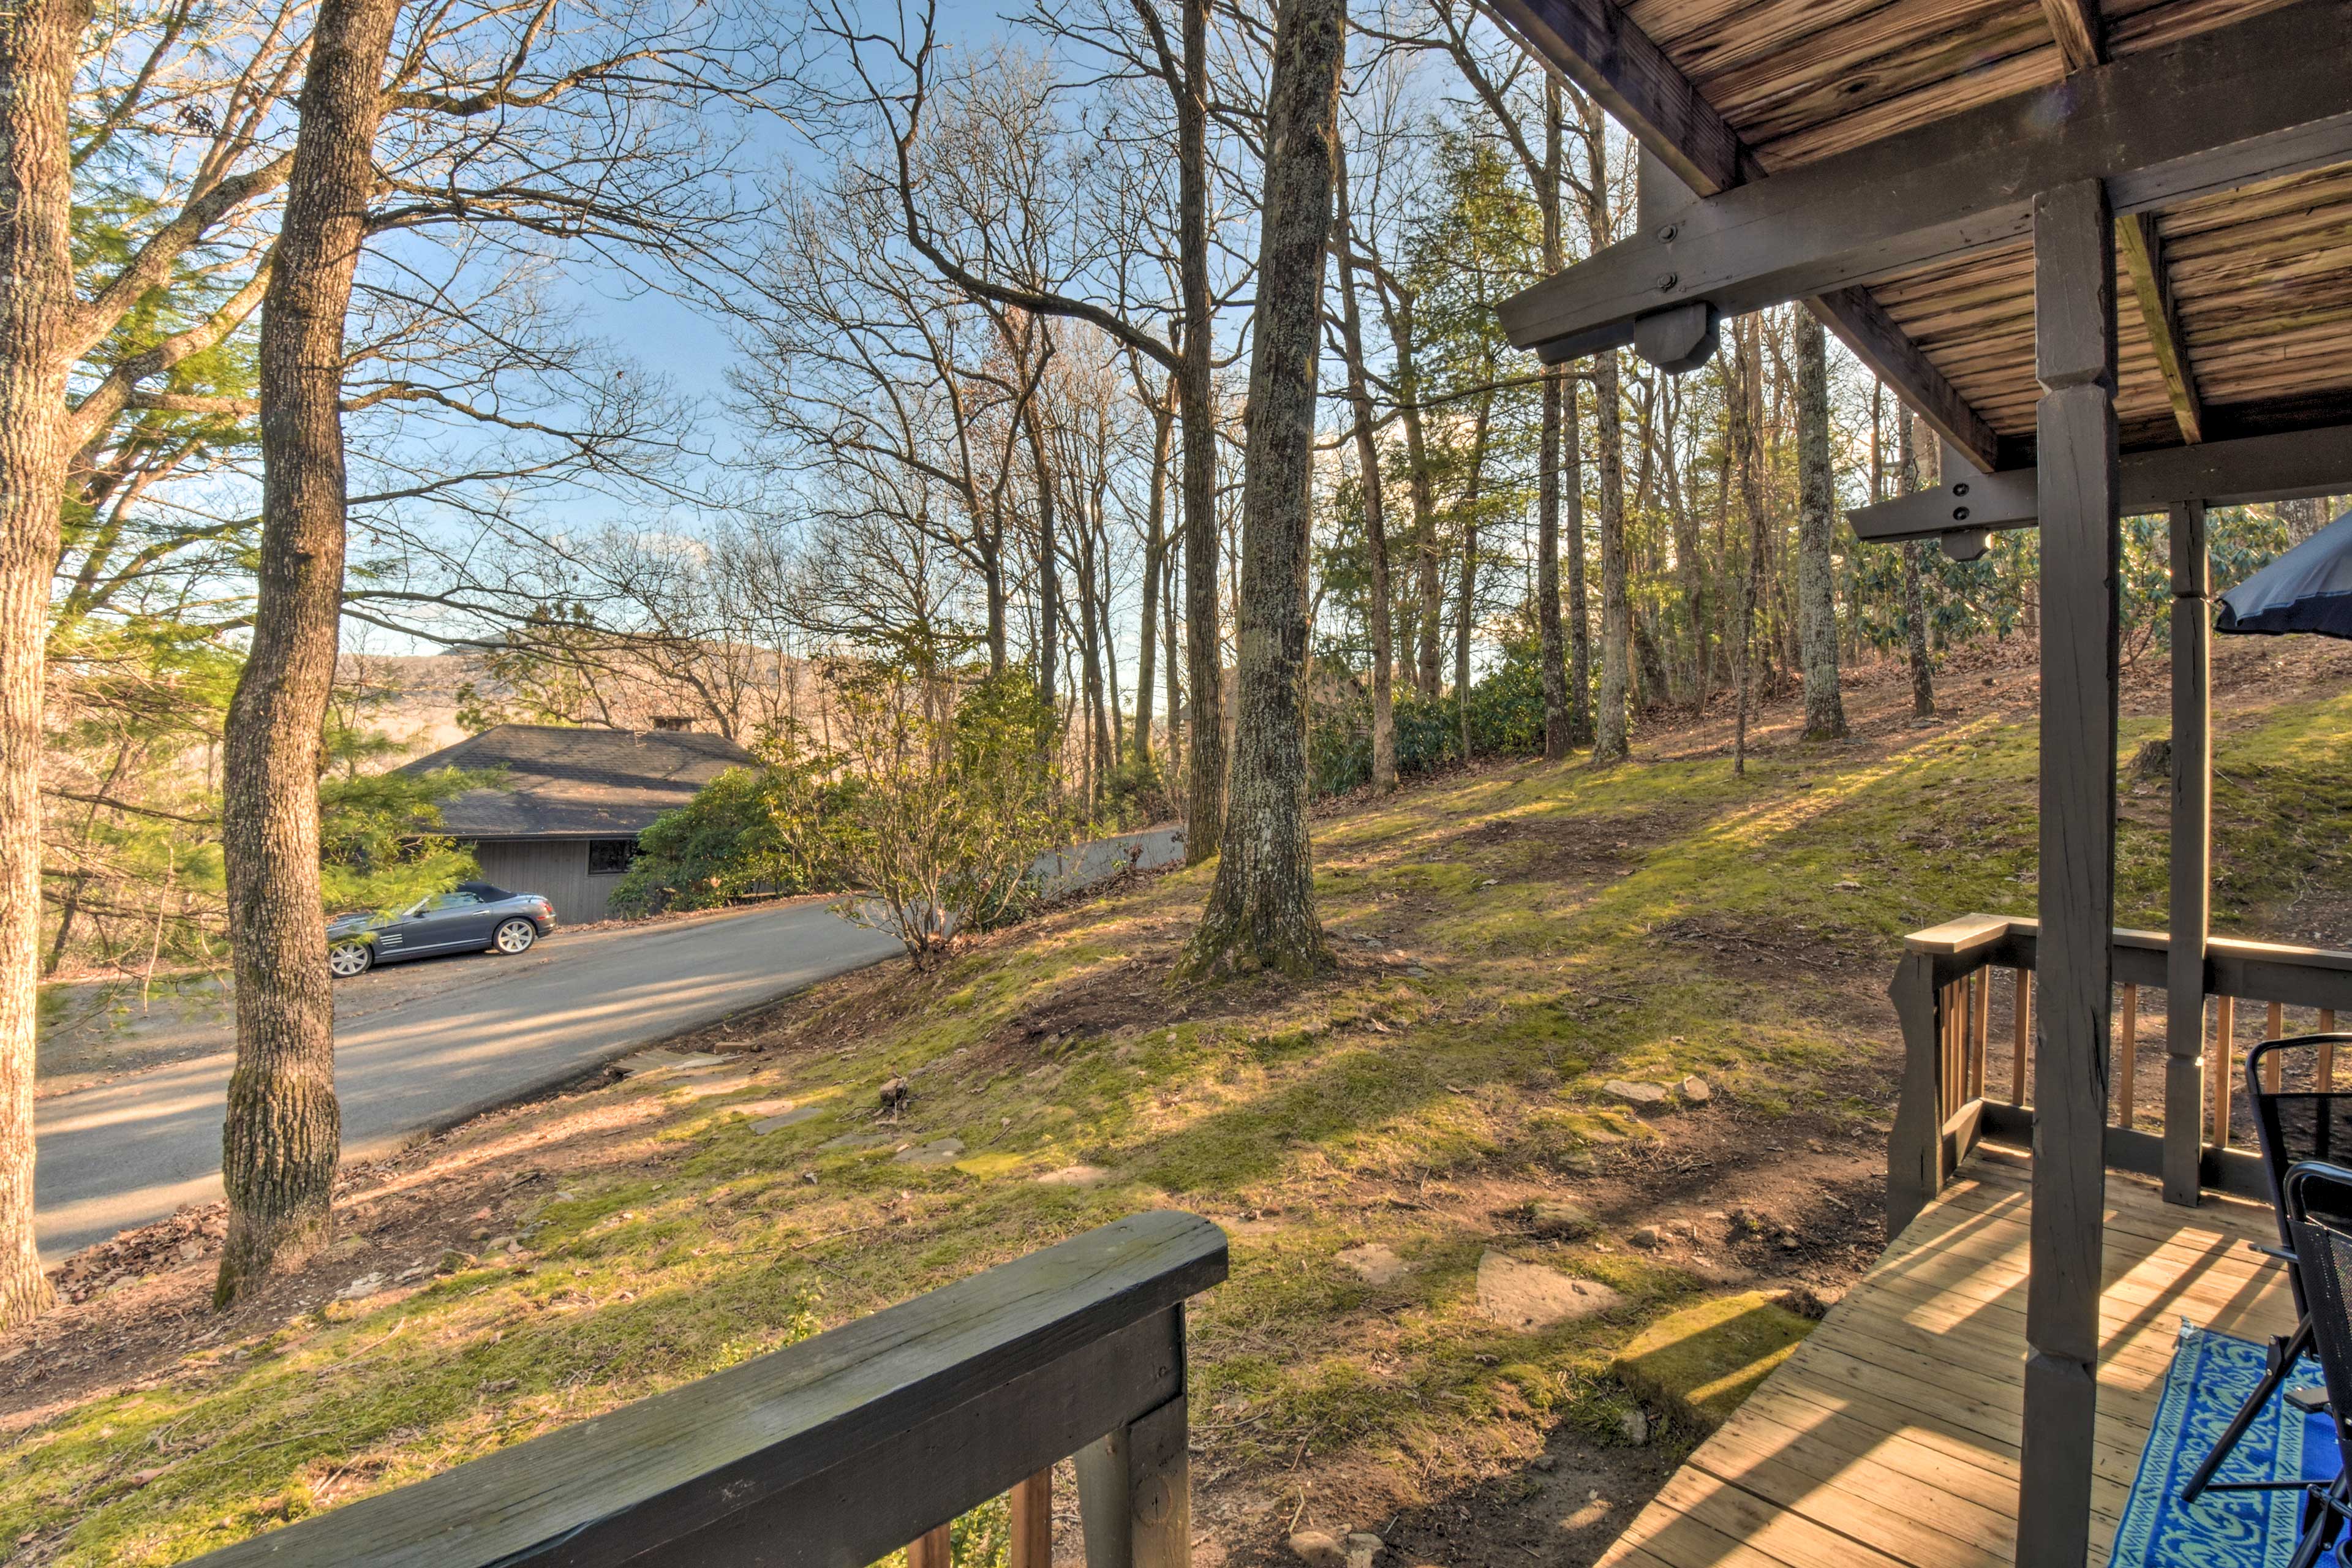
[(2308, 589)]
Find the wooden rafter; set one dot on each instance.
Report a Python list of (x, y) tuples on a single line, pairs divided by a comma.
[(1597, 47), (2201, 115), (2141, 250), (2082, 42), (2081, 34)]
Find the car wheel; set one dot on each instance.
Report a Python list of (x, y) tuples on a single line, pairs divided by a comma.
[(516, 936), (347, 959)]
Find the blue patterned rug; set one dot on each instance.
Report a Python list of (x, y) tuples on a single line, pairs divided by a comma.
[(2210, 1376)]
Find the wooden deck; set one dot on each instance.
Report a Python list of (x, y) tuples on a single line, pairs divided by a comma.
[(1890, 1437)]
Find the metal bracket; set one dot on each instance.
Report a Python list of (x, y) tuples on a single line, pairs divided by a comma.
[(1678, 339)]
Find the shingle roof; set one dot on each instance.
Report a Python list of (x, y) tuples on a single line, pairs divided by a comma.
[(577, 783)]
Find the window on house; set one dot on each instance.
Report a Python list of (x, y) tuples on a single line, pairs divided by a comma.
[(610, 856)]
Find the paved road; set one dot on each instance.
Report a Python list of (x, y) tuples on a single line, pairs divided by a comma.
[(130, 1151)]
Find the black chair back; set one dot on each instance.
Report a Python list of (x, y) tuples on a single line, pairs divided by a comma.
[(2296, 1124), (2322, 1257)]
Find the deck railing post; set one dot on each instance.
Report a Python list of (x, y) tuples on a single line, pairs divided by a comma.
[(932, 1548), (2192, 899), (1135, 1486), (2020, 1034), (2074, 360), (1032, 1521), (1914, 1149)]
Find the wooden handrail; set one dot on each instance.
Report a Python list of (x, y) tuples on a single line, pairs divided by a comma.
[(845, 1446), (1941, 994)]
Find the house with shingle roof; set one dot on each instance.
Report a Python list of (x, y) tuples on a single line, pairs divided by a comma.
[(564, 819)]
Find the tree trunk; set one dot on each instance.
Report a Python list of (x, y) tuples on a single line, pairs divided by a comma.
[(38, 56), (1580, 607), (1155, 561), (280, 1144), (1261, 912), (1746, 442), (1690, 563), (1656, 687), (1550, 654), (1816, 518), (991, 576), (1426, 597), (1204, 808), (1049, 572), (1465, 614), (1915, 585), (2303, 517), (1610, 741), (1368, 464), (1090, 654), (1168, 648)]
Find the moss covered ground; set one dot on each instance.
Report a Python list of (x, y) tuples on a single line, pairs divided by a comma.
[(1511, 939)]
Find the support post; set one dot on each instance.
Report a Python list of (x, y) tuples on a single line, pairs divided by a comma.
[(1914, 1149), (2074, 360), (1135, 1488), (2193, 810)]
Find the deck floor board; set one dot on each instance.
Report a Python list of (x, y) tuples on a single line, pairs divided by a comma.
[(1890, 1437)]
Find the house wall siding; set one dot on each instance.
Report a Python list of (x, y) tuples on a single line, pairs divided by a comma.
[(556, 868)]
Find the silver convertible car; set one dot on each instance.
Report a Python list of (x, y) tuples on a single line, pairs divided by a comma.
[(469, 917)]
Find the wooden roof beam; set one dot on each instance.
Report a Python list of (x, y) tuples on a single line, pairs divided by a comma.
[(1690, 150), (2142, 250), (2080, 32), (2262, 97), (2243, 472)]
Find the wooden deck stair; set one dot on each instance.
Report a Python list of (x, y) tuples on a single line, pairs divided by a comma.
[(1890, 1437)]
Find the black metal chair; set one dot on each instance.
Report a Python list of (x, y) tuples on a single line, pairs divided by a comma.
[(2315, 1194), (2293, 1126)]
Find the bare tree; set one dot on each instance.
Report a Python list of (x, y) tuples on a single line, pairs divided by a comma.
[(1373, 487), (1567, 721), (1609, 738), (970, 255), (282, 1137), (1746, 374), (1565, 717), (1915, 588), (1261, 911), (1816, 517)]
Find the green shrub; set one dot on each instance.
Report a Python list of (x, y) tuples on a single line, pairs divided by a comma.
[(378, 844), (770, 829), (956, 797), (1506, 719)]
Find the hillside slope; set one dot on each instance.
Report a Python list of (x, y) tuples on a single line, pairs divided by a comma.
[(1512, 941)]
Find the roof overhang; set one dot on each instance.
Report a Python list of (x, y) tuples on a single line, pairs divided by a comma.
[(2177, 117)]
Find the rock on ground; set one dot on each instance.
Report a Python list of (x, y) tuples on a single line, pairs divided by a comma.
[(1557, 1220), (1317, 1549), (1376, 1264), (1073, 1176), (1528, 1296), (1635, 1093)]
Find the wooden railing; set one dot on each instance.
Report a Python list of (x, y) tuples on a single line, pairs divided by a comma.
[(1965, 988), (836, 1451)]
